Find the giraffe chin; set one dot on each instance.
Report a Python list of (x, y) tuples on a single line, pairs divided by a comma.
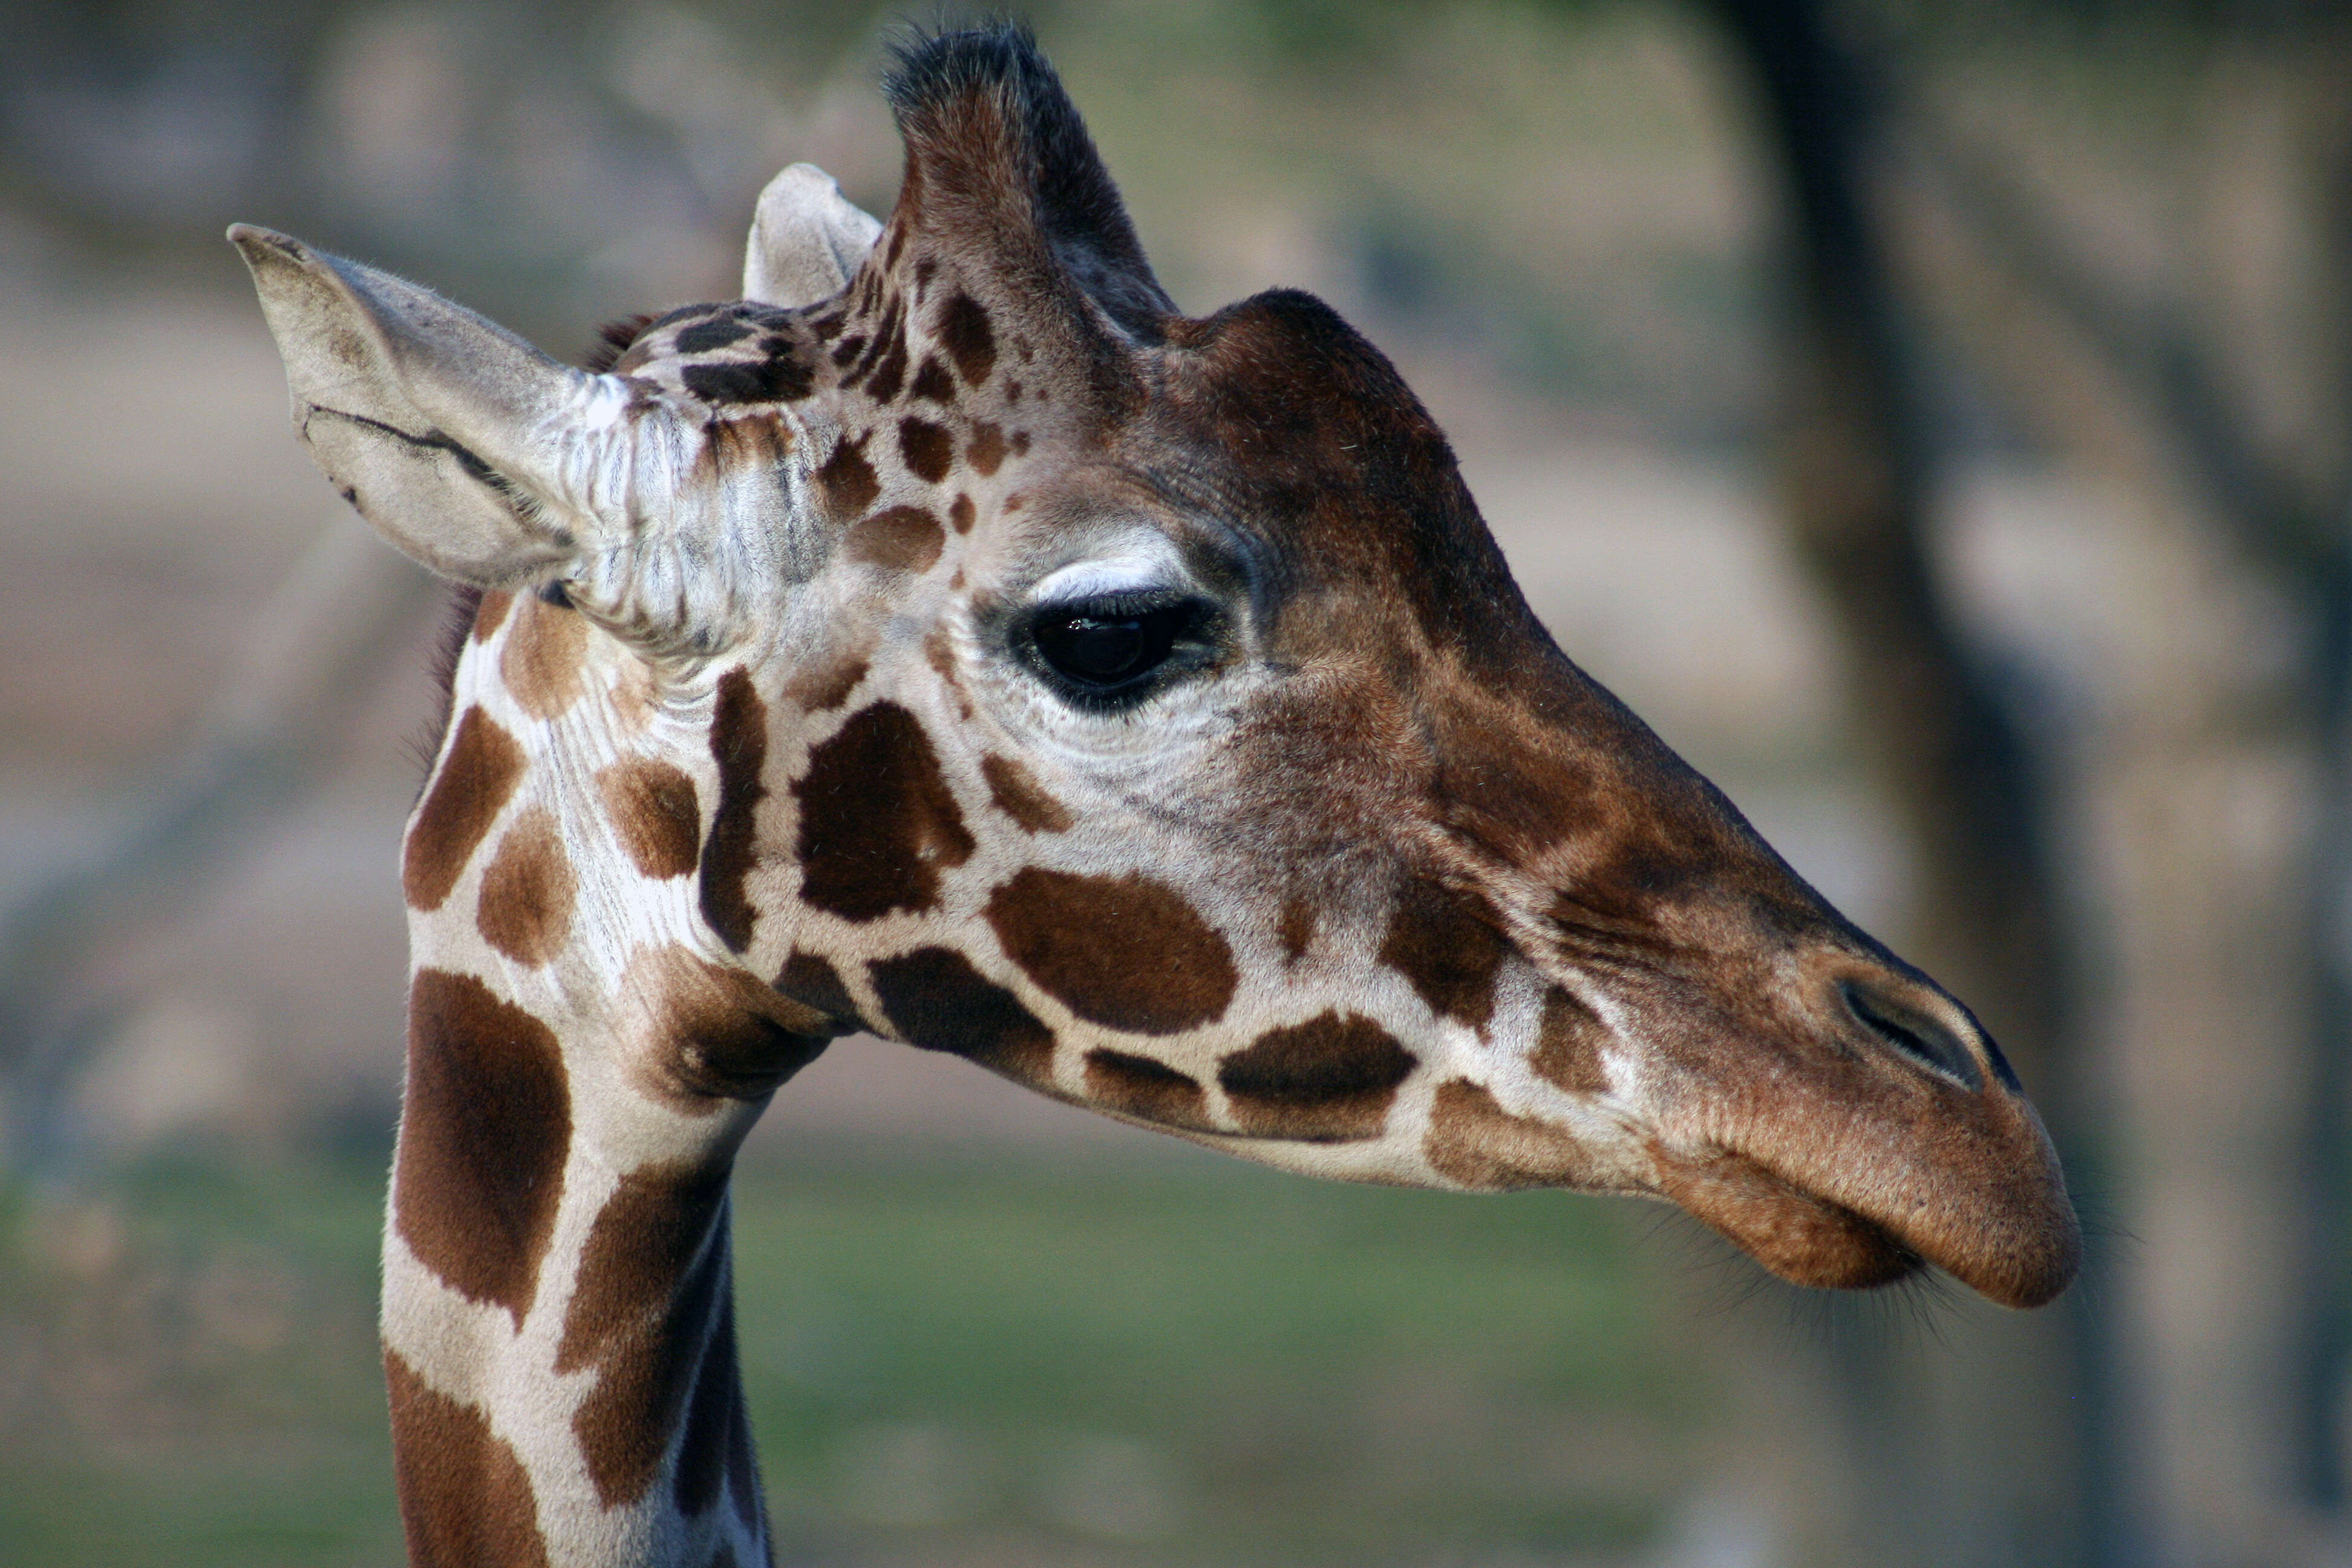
[(1811, 1240), (1804, 1239)]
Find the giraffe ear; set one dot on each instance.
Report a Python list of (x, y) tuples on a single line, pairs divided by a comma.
[(808, 240), (1001, 171), (461, 443)]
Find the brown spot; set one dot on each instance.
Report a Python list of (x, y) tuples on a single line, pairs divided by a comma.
[(464, 1498), (849, 348), (1295, 929), (492, 609), (925, 270), (809, 979), (702, 1035), (525, 907), (1125, 952), (939, 652), (901, 538), (821, 690), (635, 694), (484, 1127), (890, 372), (1011, 392), (887, 338), (756, 444), (936, 1000), (1019, 443), (652, 1279), (781, 376), (655, 814), (927, 448), (985, 450), (1568, 1044), (964, 332), (1018, 795), (1438, 941), (542, 662), (709, 336), (739, 742), (961, 513), (1474, 1141), (878, 823), (481, 770), (823, 328), (847, 479), (1328, 1080), (933, 382), (713, 1412), (1146, 1089)]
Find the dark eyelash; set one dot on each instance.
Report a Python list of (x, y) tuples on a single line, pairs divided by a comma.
[(1124, 602)]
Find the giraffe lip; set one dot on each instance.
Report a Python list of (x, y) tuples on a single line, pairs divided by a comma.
[(2027, 1253), (1805, 1239)]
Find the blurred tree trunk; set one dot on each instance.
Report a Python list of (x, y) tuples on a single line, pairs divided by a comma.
[(2005, 1461), (2227, 413)]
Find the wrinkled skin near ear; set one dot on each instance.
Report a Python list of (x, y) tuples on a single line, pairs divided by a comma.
[(808, 240)]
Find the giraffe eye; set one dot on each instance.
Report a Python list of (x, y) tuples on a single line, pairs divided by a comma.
[(1108, 649)]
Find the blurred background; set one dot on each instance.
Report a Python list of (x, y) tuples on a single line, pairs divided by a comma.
[(1934, 419)]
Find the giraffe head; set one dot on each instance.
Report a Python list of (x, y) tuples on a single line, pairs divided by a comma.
[(1137, 705)]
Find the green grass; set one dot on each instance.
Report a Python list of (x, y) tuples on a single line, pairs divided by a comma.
[(973, 1360)]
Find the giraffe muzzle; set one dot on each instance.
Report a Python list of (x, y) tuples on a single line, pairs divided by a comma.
[(1869, 1130)]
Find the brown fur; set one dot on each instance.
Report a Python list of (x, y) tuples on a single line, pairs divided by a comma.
[(1127, 953), (846, 480), (525, 907), (933, 383), (1016, 792), (486, 1124), (476, 779), (1296, 931), (1445, 943), (985, 450), (1568, 1045), (490, 607), (464, 1498), (540, 664), (811, 980), (652, 1276), (739, 744), (655, 814), (1146, 1089), (900, 538), (828, 686), (962, 329), (702, 1036), (878, 822), (1473, 1140), (935, 999), (1328, 1080), (927, 448)]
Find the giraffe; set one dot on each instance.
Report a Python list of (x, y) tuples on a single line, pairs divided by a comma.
[(951, 639)]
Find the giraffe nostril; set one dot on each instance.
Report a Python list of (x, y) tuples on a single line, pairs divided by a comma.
[(1914, 1034)]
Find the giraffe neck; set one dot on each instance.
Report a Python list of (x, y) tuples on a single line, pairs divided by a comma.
[(558, 1307)]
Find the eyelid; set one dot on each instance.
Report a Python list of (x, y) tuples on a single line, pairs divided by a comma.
[(1104, 578)]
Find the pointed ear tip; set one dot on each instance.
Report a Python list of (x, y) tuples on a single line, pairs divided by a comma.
[(259, 245)]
